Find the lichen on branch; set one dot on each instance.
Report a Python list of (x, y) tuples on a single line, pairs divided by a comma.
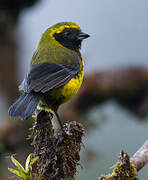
[(124, 169), (58, 153)]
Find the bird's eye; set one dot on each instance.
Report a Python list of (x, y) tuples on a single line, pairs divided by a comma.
[(67, 33)]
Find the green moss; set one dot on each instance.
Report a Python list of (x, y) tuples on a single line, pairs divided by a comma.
[(123, 170)]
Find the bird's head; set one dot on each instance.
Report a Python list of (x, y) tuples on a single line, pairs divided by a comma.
[(68, 34)]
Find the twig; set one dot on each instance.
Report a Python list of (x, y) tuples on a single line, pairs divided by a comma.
[(140, 158)]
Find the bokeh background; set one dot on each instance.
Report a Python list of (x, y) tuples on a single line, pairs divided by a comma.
[(119, 40)]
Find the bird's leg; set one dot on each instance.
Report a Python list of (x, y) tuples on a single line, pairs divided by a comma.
[(58, 118), (51, 114)]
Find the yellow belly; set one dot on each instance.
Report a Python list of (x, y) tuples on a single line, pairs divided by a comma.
[(58, 96), (71, 88)]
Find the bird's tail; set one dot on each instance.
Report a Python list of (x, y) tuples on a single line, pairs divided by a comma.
[(25, 105)]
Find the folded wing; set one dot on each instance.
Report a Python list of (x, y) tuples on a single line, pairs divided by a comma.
[(44, 77)]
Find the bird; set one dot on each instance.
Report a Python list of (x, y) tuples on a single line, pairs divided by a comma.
[(56, 72)]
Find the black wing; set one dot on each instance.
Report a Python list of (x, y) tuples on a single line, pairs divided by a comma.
[(45, 76)]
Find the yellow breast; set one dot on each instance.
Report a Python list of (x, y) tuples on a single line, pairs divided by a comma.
[(72, 87), (55, 97)]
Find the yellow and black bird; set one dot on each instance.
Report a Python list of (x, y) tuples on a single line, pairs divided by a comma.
[(56, 71)]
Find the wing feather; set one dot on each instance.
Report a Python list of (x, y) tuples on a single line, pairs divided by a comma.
[(57, 84), (44, 77), (37, 84)]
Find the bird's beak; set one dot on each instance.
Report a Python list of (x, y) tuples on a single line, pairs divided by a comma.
[(82, 36)]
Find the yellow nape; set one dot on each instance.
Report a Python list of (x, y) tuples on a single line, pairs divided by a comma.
[(59, 27)]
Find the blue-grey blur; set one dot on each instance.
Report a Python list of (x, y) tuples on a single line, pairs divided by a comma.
[(119, 37)]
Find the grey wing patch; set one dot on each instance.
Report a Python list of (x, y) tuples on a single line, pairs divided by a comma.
[(58, 82), (44, 77), (24, 86)]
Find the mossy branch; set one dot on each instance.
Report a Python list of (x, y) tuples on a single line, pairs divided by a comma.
[(58, 153), (127, 168), (124, 169)]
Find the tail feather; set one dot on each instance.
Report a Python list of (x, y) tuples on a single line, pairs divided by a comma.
[(25, 105)]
